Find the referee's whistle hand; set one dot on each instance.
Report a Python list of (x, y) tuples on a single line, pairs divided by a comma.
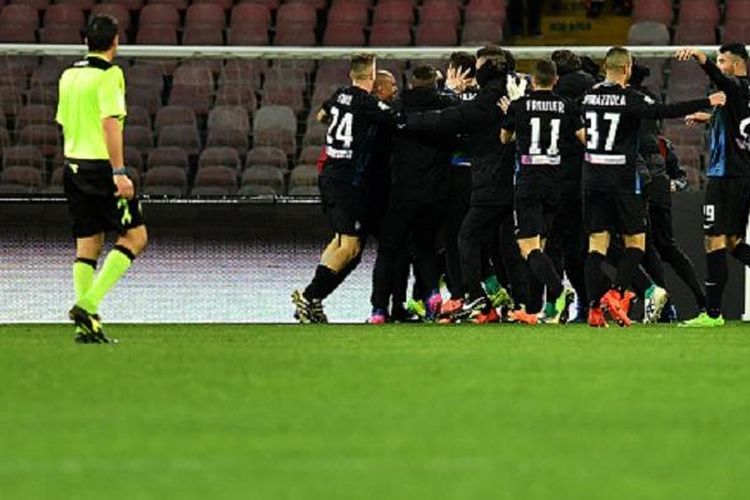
[(124, 187)]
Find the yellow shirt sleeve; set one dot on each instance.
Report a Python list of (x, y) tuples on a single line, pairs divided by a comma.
[(111, 94)]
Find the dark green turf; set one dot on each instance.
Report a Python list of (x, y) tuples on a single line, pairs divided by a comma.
[(345, 412)]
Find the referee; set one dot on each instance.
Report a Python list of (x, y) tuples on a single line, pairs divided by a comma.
[(101, 198)]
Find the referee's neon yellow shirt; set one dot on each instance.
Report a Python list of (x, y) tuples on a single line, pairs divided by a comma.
[(90, 90)]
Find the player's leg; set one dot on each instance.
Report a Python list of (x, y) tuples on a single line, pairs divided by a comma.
[(426, 260), (596, 213), (88, 251)]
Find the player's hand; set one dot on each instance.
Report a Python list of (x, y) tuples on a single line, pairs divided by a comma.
[(688, 53), (504, 104), (516, 87), (698, 118), (717, 99), (124, 187), (322, 116), (457, 80)]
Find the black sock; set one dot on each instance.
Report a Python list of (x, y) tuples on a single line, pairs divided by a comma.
[(596, 281), (742, 253), (641, 281), (654, 266), (716, 280), (543, 268), (626, 268), (323, 283)]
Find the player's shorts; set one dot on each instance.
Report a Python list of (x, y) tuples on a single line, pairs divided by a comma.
[(92, 202), (535, 210), (344, 205), (726, 206), (619, 213)]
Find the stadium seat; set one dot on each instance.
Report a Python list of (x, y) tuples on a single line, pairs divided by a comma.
[(440, 11), (45, 137), (296, 13), (205, 14), (139, 137), (255, 190), (167, 156), (133, 158), (138, 115), (11, 99), (304, 191), (271, 5), (436, 34), (315, 134), (224, 4), (737, 11), (232, 138), (264, 175), (85, 5), (18, 14), (687, 74), (204, 35), (235, 95), (67, 14), (35, 114), (274, 116), (192, 86), (145, 75), (660, 11), (37, 5), (349, 12), (211, 191), (486, 11), (24, 156), (17, 33), (217, 176), (481, 32), (156, 34), (385, 34), (249, 34), (734, 31), (24, 176), (229, 117), (281, 96), (145, 97), (294, 34), (166, 175), (181, 136), (16, 189), (699, 11), (178, 4), (250, 13), (309, 155), (175, 115), (344, 35), (129, 4), (158, 14), (690, 33), (244, 72), (303, 175), (394, 12), (266, 155), (62, 33), (219, 156), (41, 94), (56, 179), (648, 33), (117, 10)]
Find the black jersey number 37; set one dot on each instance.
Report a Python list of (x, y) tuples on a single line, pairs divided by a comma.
[(340, 129), (594, 127)]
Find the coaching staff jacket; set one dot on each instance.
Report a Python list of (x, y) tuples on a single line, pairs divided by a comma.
[(492, 163), (421, 160)]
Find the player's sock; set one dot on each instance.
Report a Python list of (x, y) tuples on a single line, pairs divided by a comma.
[(627, 267), (716, 280), (325, 279), (83, 276), (683, 267), (596, 280), (116, 264), (543, 268), (742, 253)]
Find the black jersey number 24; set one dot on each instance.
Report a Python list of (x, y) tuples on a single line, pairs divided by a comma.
[(340, 129)]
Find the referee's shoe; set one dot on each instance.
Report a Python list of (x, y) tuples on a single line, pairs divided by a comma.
[(89, 327)]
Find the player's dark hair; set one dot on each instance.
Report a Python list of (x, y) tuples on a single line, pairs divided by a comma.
[(100, 33), (567, 61), (463, 61), (639, 73), (544, 72), (499, 58), (737, 49), (423, 77), (361, 65)]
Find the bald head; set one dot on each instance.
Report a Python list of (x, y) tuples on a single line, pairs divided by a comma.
[(385, 87)]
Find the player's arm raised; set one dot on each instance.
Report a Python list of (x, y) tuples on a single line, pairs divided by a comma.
[(646, 107)]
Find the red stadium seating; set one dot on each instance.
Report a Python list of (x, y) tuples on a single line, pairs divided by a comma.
[(250, 13), (485, 10), (735, 31), (162, 15), (294, 34), (178, 4), (45, 137), (224, 4), (219, 156), (60, 33), (737, 10), (157, 34), (437, 34), (167, 156), (342, 35), (130, 4), (34, 4), (181, 136), (387, 33), (116, 10), (217, 176), (351, 12), (26, 156), (139, 137), (35, 114), (648, 33), (266, 155), (204, 35), (704, 11), (166, 176), (175, 115), (480, 32), (229, 117), (248, 34), (298, 13), (660, 11), (394, 11), (444, 11), (17, 33), (206, 14), (81, 4), (264, 175), (23, 176), (690, 33), (64, 14)]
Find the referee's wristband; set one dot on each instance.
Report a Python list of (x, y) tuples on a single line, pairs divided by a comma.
[(120, 171)]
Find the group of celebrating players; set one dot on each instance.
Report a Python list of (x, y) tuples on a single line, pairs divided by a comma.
[(498, 184)]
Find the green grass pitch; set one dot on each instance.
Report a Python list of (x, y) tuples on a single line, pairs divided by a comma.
[(349, 412)]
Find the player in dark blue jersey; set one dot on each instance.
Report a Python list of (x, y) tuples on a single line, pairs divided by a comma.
[(541, 122), (727, 203), (353, 116), (612, 199)]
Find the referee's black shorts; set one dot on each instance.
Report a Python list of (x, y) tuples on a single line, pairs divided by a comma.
[(726, 206), (615, 212), (92, 202), (344, 206)]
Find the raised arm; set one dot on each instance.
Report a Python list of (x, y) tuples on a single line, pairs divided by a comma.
[(722, 81)]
